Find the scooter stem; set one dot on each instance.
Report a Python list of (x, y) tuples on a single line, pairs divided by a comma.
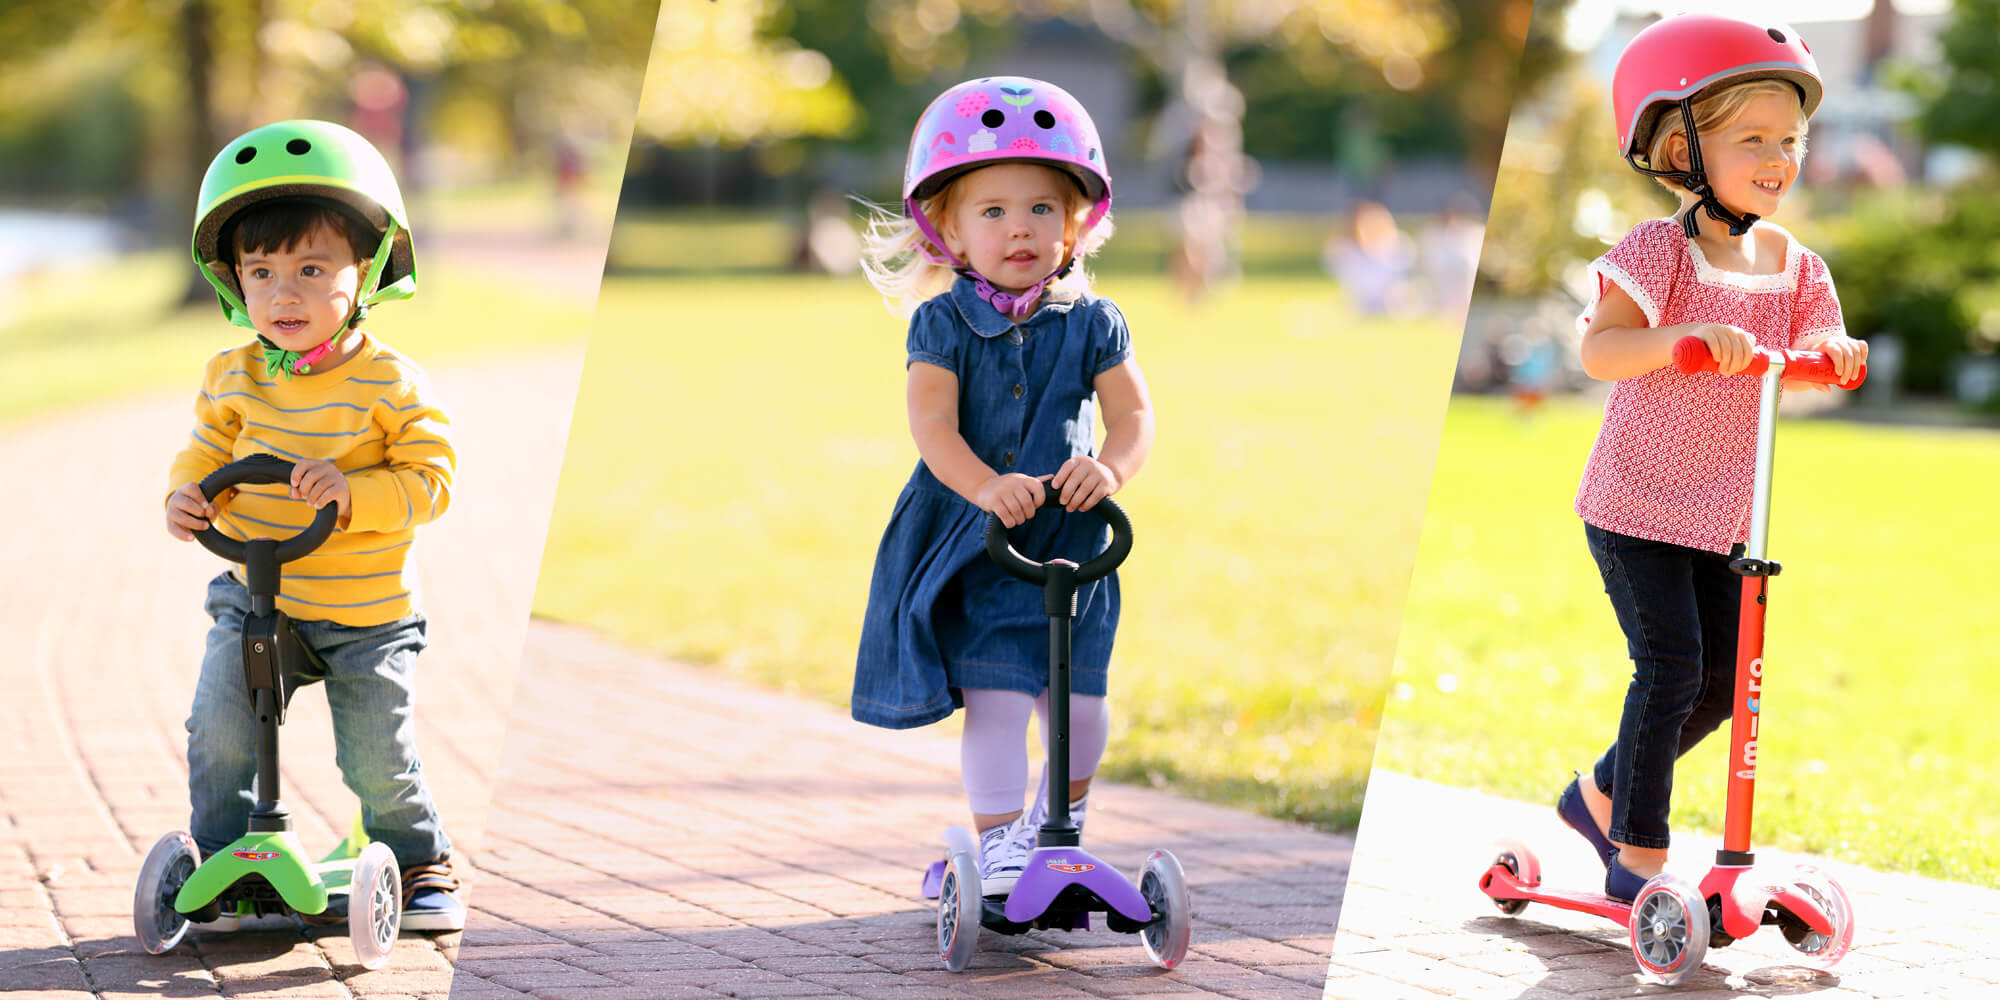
[(1756, 569), (1059, 603)]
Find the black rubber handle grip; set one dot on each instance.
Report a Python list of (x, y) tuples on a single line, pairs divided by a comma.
[(261, 469), (1023, 568)]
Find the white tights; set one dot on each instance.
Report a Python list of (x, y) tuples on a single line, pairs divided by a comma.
[(993, 753)]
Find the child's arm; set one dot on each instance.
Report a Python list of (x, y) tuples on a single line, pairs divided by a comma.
[(211, 445), (413, 486), (1619, 345), (932, 397), (1128, 439)]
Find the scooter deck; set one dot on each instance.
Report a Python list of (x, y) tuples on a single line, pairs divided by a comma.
[(1502, 884)]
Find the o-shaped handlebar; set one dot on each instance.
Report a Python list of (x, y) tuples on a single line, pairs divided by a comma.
[(262, 469), (1024, 568), (1692, 355)]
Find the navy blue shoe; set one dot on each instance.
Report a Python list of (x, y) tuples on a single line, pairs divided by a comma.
[(1620, 884), (1577, 815), (430, 897)]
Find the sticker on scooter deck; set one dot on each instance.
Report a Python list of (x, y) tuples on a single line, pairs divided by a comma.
[(1052, 869)]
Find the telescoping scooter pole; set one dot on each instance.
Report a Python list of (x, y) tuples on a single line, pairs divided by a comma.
[(1757, 569)]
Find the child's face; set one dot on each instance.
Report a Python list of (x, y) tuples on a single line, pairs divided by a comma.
[(300, 297), (1752, 161), (1009, 221)]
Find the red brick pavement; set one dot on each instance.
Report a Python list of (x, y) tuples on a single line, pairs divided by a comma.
[(661, 831), (1416, 926), (100, 640)]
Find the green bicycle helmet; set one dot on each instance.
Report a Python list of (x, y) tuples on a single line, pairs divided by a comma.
[(312, 159)]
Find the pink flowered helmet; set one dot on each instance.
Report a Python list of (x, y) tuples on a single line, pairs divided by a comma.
[(1003, 119)]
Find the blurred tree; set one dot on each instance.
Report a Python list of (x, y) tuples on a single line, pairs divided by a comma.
[(517, 79), (207, 69), (1962, 99)]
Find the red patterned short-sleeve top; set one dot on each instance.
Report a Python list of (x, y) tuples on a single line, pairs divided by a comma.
[(1676, 455)]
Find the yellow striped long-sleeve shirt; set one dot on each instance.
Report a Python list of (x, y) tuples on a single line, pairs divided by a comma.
[(375, 419)]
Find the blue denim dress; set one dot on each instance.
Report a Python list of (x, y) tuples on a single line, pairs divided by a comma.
[(941, 616)]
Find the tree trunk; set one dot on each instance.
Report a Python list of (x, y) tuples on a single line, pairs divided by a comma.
[(197, 44)]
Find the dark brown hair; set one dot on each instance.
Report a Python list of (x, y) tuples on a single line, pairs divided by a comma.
[(279, 225)]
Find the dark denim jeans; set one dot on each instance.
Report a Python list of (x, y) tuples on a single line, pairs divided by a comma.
[(1678, 607)]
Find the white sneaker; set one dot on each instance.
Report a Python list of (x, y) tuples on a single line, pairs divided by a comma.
[(1003, 853)]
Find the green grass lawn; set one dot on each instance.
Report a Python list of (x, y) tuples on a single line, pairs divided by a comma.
[(739, 442), (120, 327), (724, 240), (1878, 741)]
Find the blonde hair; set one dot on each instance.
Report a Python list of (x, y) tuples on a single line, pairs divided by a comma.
[(894, 259), (1711, 114)]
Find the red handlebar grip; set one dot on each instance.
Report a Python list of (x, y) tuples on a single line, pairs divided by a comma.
[(1691, 355)]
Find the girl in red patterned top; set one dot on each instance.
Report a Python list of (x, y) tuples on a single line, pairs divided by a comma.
[(1715, 109)]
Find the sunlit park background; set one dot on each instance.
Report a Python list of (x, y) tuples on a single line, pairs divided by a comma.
[(115, 108), (1877, 738), (741, 435)]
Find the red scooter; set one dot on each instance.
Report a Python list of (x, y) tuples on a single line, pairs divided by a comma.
[(1672, 922)]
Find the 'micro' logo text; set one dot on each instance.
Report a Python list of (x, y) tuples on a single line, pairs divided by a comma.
[(1756, 687)]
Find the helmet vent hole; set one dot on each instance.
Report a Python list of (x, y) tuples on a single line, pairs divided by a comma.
[(993, 118), (1044, 119), (246, 154), (298, 147), (1776, 35)]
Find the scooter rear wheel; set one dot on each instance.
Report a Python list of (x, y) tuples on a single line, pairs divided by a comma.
[(374, 905), (958, 912), (1669, 929), (1164, 886), (1521, 864), (1821, 951), (167, 867)]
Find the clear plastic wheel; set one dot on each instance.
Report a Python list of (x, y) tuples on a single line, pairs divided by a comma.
[(1164, 887), (374, 905), (167, 867), (1669, 929), (1520, 863), (1820, 951), (958, 912)]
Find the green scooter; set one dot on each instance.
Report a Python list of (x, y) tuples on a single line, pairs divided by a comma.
[(267, 871)]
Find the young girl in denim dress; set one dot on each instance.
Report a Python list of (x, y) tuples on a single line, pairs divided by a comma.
[(1005, 192), (1716, 110)]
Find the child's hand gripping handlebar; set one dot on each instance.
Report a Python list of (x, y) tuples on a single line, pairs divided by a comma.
[(1691, 355), (262, 469), (1024, 568)]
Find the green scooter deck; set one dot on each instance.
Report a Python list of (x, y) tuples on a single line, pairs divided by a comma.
[(279, 858)]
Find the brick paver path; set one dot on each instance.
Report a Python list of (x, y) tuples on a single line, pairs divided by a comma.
[(1416, 925), (661, 832), (100, 642)]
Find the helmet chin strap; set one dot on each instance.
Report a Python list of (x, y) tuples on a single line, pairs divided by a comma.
[(1695, 179), (1015, 307)]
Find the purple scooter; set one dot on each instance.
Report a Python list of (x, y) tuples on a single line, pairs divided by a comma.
[(1062, 884)]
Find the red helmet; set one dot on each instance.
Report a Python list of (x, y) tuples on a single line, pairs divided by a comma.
[(1681, 56)]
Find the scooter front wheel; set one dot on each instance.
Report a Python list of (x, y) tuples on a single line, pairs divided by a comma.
[(374, 905), (1164, 887), (1669, 929), (167, 867), (958, 912), (1820, 951)]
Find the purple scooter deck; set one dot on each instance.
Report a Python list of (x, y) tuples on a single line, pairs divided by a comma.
[(1052, 869)]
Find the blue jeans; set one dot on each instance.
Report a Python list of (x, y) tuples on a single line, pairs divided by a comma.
[(1678, 607), (370, 688)]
